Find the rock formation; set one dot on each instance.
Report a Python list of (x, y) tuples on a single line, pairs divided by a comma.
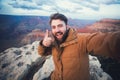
[(24, 63)]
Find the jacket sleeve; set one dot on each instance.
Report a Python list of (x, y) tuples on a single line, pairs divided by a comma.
[(42, 50), (105, 44)]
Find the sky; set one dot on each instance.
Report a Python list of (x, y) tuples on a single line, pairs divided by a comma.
[(77, 9)]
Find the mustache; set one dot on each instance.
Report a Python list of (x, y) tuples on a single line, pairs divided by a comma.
[(59, 33)]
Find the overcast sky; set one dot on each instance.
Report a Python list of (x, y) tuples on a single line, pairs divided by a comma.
[(81, 9)]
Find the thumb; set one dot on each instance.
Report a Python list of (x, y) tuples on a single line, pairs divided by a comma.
[(46, 33), (51, 35)]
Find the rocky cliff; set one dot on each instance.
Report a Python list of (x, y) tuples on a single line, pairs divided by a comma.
[(24, 63)]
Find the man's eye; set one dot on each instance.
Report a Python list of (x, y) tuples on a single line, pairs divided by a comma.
[(53, 27), (60, 25)]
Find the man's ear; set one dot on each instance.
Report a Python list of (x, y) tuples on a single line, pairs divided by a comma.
[(67, 27)]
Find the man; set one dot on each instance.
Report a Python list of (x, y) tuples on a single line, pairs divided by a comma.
[(70, 49)]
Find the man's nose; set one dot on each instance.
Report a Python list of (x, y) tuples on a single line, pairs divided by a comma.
[(57, 29)]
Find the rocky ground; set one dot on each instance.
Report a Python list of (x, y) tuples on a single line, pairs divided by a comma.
[(24, 63)]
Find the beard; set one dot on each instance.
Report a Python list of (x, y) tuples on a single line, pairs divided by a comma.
[(64, 36), (57, 35)]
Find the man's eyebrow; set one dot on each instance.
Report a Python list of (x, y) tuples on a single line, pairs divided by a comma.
[(59, 24), (56, 25)]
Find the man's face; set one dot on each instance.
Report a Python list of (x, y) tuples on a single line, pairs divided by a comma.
[(58, 28)]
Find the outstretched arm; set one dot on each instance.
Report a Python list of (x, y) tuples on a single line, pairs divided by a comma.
[(106, 44)]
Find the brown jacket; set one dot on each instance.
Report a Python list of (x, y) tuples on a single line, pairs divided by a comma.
[(71, 59)]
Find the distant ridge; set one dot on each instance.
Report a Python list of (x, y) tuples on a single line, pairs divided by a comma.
[(15, 28)]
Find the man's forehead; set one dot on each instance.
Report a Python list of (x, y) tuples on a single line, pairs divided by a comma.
[(57, 22)]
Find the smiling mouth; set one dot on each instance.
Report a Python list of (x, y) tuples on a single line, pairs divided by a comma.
[(59, 35)]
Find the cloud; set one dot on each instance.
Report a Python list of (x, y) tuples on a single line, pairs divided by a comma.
[(90, 5), (44, 2), (88, 9), (107, 2), (94, 4), (24, 4), (86, 3), (32, 4), (66, 6)]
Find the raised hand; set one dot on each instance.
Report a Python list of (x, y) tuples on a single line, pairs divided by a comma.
[(47, 41)]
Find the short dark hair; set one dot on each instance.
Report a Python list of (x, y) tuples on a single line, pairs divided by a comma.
[(58, 16)]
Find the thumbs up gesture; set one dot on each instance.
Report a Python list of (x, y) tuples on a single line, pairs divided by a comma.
[(47, 41)]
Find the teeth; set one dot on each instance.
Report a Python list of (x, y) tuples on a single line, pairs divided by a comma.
[(59, 34)]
